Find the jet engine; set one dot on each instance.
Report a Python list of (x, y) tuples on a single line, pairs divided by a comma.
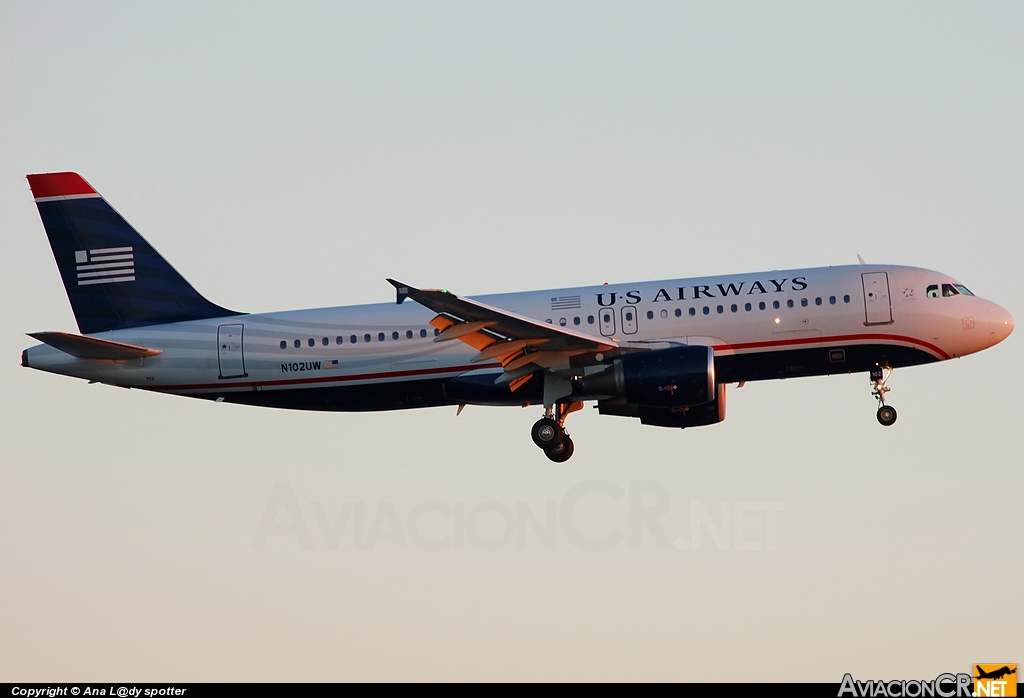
[(672, 387), (664, 378)]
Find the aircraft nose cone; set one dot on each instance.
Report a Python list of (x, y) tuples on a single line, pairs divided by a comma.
[(1001, 323)]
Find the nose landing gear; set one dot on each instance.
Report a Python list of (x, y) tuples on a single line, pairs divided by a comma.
[(549, 432), (886, 414)]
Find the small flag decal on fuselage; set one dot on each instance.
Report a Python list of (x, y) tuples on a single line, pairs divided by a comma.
[(331, 363), (108, 265), (565, 302)]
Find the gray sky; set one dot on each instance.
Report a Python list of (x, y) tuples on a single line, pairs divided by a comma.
[(285, 156)]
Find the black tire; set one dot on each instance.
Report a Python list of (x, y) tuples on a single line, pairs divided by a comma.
[(562, 453), (886, 415), (547, 433)]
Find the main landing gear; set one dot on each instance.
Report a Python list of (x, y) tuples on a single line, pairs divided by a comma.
[(549, 432), (886, 414)]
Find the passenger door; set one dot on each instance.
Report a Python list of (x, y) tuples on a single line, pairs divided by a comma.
[(877, 305), (230, 356)]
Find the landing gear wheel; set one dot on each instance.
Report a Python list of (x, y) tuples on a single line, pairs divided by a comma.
[(879, 376), (547, 433), (562, 453), (886, 415)]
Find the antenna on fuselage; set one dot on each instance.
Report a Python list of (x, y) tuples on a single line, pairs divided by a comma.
[(861, 259)]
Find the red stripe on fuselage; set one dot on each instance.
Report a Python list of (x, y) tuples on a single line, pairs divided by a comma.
[(324, 379), (837, 339)]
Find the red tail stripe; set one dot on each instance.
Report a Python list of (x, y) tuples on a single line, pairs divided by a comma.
[(58, 184)]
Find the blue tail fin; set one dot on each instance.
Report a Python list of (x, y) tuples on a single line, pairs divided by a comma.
[(113, 277)]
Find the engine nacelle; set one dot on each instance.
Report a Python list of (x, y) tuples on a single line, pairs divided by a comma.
[(662, 378), (676, 417)]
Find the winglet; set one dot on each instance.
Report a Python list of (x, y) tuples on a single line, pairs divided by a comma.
[(404, 291)]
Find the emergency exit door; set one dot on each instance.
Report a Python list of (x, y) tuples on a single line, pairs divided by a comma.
[(877, 304), (628, 319), (230, 355)]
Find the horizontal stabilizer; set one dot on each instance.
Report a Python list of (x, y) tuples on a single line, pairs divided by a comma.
[(91, 348)]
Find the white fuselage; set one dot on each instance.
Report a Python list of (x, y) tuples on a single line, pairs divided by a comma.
[(746, 315)]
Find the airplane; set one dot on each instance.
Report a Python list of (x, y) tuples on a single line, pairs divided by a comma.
[(658, 351), (995, 674)]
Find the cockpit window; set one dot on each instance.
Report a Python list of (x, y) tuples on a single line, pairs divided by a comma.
[(948, 290), (963, 289), (933, 291)]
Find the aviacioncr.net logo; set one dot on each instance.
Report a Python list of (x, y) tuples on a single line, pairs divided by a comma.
[(943, 686), (995, 680)]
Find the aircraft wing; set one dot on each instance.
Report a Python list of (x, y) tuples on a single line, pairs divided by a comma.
[(522, 345)]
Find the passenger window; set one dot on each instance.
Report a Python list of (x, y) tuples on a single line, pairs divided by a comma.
[(693, 311), (831, 300), (394, 335), (366, 338), (575, 321), (733, 308), (650, 314), (664, 314), (590, 319), (720, 310), (312, 342), (846, 299), (963, 289), (284, 344), (707, 310), (803, 302), (817, 301), (561, 321), (437, 331), (748, 307), (775, 304), (325, 341), (679, 312), (353, 339), (629, 317), (933, 291), (789, 303), (380, 336), (408, 334), (948, 290), (298, 343), (423, 334), (339, 340), (761, 305)]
